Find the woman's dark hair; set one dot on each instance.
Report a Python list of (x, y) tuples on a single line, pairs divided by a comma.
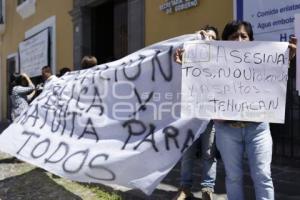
[(88, 62), (63, 71), (15, 79), (234, 26), (211, 28)]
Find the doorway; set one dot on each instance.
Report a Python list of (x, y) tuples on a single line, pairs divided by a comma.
[(109, 31), (11, 63)]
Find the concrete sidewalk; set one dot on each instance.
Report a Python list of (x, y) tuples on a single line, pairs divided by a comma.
[(286, 182)]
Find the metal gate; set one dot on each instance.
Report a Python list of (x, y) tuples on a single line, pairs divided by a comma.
[(286, 137)]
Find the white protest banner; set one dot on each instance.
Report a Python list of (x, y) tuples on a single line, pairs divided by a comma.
[(34, 53), (116, 123), (297, 33), (272, 20), (235, 80)]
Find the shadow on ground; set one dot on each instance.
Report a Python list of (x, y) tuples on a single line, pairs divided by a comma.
[(167, 190), (11, 160), (170, 184), (34, 184)]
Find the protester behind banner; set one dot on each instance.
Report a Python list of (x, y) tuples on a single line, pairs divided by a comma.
[(47, 76), (88, 62), (205, 144), (63, 71)]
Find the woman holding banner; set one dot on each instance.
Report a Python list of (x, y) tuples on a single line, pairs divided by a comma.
[(206, 142), (234, 138), (21, 93)]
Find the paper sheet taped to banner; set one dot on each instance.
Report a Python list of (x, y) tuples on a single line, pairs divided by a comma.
[(235, 80)]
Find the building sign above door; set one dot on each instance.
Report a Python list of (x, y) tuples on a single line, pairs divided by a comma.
[(171, 6)]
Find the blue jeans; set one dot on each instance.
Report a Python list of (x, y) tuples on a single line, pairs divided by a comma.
[(254, 139), (208, 151)]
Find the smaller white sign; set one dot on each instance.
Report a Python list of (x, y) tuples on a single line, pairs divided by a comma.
[(34, 54), (235, 80)]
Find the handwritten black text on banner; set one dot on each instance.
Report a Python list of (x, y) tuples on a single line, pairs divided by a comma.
[(116, 123)]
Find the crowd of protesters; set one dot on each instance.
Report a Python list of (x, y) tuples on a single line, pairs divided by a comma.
[(233, 139)]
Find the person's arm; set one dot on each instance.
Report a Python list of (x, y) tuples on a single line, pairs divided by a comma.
[(31, 85), (293, 47), (178, 55)]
